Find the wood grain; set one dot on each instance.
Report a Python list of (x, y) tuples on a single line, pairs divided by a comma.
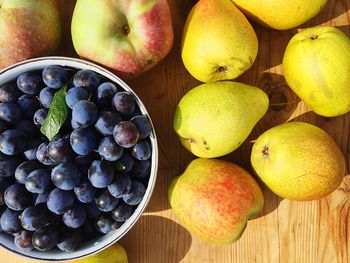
[(286, 231)]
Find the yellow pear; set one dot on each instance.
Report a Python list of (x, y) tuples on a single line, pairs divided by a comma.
[(298, 161), (279, 14), (215, 118), (114, 254), (218, 42), (316, 66)]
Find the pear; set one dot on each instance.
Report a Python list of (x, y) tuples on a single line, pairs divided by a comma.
[(279, 14), (298, 161), (215, 118), (316, 66), (114, 254), (218, 42), (214, 199)]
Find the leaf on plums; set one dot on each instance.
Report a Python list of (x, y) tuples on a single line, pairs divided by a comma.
[(119, 167), (57, 114)]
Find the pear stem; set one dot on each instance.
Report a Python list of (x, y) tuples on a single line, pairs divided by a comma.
[(284, 103), (265, 151), (221, 69), (171, 162)]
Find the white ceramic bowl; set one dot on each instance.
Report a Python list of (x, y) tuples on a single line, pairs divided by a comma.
[(105, 241)]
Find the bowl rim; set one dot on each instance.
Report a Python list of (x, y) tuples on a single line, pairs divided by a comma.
[(73, 62)]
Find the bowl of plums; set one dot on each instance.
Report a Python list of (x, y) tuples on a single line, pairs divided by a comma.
[(78, 158)]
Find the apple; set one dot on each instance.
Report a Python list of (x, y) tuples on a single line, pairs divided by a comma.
[(214, 199), (129, 37), (28, 28)]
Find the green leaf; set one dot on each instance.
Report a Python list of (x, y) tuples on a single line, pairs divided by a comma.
[(119, 167), (57, 114)]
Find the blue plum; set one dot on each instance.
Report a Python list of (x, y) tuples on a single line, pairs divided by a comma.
[(87, 79), (46, 96), (100, 174), (28, 104), (42, 154), (124, 103), (106, 202), (84, 113), (24, 169), (85, 192), (136, 193), (30, 82), (143, 124), (9, 93), (106, 122), (45, 238), (142, 150), (40, 116), (55, 76), (65, 176), (83, 140), (76, 94), (17, 197), (75, 216), (109, 149), (35, 217), (59, 201), (10, 222), (38, 181), (126, 134), (12, 142), (122, 212), (10, 112), (120, 186), (105, 93)]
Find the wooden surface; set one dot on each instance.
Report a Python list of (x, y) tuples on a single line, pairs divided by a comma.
[(286, 231)]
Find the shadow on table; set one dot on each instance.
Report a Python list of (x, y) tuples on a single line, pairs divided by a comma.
[(332, 10), (156, 239), (345, 29), (282, 101), (167, 171)]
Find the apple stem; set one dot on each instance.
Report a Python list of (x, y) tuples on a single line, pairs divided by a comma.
[(126, 29), (314, 37)]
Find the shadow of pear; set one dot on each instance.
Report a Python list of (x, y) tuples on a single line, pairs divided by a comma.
[(332, 10), (156, 239)]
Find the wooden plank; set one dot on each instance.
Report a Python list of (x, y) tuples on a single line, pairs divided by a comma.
[(286, 231)]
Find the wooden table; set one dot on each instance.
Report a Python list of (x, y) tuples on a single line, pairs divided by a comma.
[(286, 231)]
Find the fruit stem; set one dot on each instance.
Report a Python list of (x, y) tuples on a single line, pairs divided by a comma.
[(126, 29), (171, 162), (221, 69), (284, 103), (265, 151)]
